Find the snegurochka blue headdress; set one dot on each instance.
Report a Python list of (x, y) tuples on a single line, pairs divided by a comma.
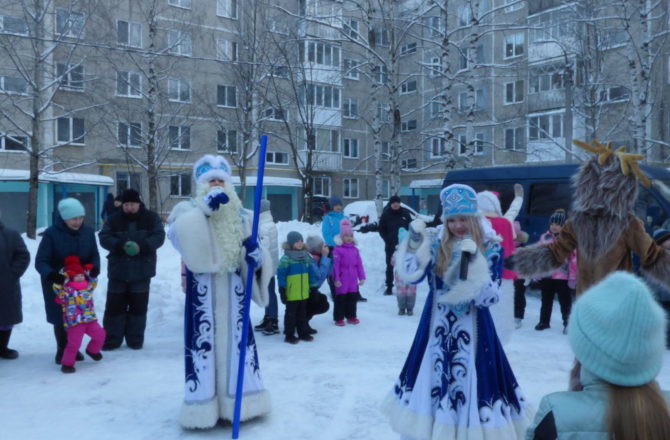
[(458, 200), (210, 167)]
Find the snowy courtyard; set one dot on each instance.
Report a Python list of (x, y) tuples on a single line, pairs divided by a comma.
[(328, 389)]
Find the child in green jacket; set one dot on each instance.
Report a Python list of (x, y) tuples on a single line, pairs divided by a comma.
[(295, 275)]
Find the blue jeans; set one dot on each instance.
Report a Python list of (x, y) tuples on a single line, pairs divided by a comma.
[(271, 310)]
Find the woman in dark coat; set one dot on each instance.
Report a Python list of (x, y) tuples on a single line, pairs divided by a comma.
[(14, 260), (67, 236)]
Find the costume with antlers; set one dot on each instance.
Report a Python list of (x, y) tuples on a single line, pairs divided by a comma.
[(602, 228)]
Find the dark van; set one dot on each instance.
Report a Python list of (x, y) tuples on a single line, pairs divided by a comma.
[(548, 187)]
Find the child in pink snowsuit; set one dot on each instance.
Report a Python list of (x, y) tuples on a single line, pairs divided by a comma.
[(348, 274), (76, 298)]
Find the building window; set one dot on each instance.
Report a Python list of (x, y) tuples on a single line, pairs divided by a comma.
[(408, 125), (186, 4), (179, 90), (514, 138), (179, 137), (479, 142), (350, 188), (129, 33), (410, 163), (614, 94), (386, 189), (226, 141), (464, 15), (129, 84), (350, 148), (381, 74), (383, 112), (435, 67), (276, 157), (464, 59), (350, 69), (71, 131), (548, 77), (515, 5), (279, 71), (545, 126), (438, 147), (514, 45), (126, 181), (179, 42), (129, 134), (350, 108), (407, 49), (433, 26), (13, 85), (70, 23), (408, 86), (351, 29), (321, 186), (180, 185), (514, 92), (226, 96), (462, 141), (322, 53), (275, 114), (71, 76), (435, 107), (226, 8), (322, 96), (226, 50), (13, 25), (11, 142), (381, 36)]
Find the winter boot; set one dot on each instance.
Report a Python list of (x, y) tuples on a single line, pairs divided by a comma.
[(94, 356), (67, 369), (518, 322), (310, 330), (402, 304), (135, 326), (115, 326), (542, 326), (61, 342), (5, 352), (264, 323), (388, 291), (272, 327), (411, 300), (291, 339)]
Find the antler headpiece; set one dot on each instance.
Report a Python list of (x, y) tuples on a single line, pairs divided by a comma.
[(628, 161)]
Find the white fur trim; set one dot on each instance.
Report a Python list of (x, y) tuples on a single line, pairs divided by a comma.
[(196, 241), (259, 290), (502, 312), (489, 234), (253, 405), (423, 256), (219, 168), (466, 290), (199, 415)]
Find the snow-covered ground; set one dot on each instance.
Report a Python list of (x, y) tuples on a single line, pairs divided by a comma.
[(328, 389)]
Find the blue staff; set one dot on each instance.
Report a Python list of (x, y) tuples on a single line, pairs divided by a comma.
[(247, 293)]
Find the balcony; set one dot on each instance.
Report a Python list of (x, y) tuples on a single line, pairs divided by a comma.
[(323, 160)]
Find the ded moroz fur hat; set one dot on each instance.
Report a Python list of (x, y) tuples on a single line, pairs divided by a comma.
[(210, 167)]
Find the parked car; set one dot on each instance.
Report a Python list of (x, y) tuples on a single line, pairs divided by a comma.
[(548, 187), (364, 218)]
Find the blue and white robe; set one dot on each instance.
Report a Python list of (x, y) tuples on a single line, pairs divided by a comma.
[(213, 319), (456, 382)]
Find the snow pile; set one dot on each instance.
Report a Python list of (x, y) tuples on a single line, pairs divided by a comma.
[(328, 389)]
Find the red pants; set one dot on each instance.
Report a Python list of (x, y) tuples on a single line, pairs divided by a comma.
[(76, 334)]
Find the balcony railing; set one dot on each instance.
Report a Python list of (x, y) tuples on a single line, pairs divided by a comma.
[(323, 160)]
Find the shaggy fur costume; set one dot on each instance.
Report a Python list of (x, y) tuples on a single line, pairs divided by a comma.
[(603, 229)]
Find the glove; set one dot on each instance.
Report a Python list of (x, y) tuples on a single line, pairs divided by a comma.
[(468, 245), (518, 190), (56, 277), (282, 294), (253, 255), (131, 248), (215, 198)]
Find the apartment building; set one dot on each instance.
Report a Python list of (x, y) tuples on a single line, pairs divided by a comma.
[(130, 93)]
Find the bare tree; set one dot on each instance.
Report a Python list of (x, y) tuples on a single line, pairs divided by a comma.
[(42, 44)]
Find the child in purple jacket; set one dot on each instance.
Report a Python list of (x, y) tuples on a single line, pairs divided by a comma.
[(348, 274)]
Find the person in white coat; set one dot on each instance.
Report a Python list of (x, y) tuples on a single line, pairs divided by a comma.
[(267, 230), (211, 232)]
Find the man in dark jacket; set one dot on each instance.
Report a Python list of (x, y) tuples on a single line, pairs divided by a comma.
[(132, 236), (393, 218), (14, 260)]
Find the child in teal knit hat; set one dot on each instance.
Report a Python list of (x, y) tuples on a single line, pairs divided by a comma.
[(617, 332)]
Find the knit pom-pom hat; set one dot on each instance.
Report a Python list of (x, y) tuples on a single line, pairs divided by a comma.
[(488, 203), (293, 237), (617, 331), (72, 266), (345, 228)]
